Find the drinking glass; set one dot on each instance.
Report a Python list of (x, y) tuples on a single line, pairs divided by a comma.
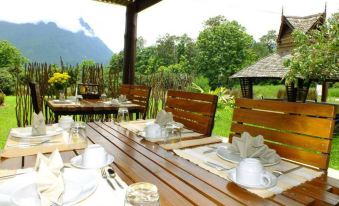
[(174, 134), (123, 115), (78, 133), (142, 194)]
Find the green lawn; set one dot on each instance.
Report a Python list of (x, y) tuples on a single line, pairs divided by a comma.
[(222, 122)]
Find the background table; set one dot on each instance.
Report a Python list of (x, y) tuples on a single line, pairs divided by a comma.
[(180, 182), (87, 107)]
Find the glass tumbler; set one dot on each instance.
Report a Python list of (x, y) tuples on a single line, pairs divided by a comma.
[(123, 115), (78, 133), (142, 194)]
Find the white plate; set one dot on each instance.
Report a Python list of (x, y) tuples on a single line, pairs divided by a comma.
[(78, 186), (26, 132), (66, 101), (77, 162), (233, 157), (232, 176)]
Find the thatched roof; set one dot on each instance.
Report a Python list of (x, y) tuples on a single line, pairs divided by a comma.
[(120, 2), (269, 67)]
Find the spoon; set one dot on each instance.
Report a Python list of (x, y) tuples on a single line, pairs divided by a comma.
[(112, 174)]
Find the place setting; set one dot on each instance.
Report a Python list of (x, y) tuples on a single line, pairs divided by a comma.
[(39, 137), (250, 164), (86, 180)]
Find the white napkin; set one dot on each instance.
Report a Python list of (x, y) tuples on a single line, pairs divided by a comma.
[(38, 124), (249, 146), (164, 118), (49, 180), (122, 98)]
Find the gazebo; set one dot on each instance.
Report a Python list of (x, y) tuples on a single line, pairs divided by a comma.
[(133, 7), (272, 67)]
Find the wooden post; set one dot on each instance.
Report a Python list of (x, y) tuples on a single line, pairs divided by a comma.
[(130, 44), (324, 92), (246, 87)]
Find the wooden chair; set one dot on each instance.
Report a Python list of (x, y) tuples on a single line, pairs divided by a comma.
[(196, 111), (36, 97), (301, 132), (138, 94)]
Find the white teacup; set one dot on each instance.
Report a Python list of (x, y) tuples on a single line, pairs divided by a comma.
[(66, 122), (250, 172), (153, 130), (94, 156)]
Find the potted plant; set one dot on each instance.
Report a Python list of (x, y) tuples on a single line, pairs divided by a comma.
[(314, 57), (59, 82)]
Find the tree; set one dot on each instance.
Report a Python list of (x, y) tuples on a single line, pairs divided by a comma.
[(223, 48), (266, 45), (11, 61), (315, 55)]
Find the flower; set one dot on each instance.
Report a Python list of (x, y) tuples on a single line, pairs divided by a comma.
[(59, 80)]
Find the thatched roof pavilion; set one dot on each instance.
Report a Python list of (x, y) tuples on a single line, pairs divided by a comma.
[(272, 66)]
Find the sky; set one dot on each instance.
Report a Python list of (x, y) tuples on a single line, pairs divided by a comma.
[(175, 17)]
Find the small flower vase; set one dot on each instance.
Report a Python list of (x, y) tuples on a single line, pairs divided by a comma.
[(61, 95)]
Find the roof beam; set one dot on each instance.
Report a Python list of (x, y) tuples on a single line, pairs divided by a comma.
[(144, 4)]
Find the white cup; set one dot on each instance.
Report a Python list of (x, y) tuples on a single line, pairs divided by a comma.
[(94, 156), (153, 130), (250, 172), (66, 122), (115, 101)]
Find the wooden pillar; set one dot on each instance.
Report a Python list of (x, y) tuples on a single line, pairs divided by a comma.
[(324, 92), (130, 44), (246, 87)]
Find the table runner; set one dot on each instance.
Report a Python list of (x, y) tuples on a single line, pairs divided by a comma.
[(103, 196), (59, 142), (285, 181), (138, 126), (191, 143)]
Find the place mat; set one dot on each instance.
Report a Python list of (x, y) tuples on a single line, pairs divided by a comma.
[(191, 143), (286, 181), (104, 195), (14, 149), (138, 127)]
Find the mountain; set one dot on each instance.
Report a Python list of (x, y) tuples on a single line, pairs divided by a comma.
[(46, 42)]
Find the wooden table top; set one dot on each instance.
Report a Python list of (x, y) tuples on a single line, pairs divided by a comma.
[(87, 105), (179, 181)]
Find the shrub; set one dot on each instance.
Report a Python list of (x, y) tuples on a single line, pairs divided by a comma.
[(7, 82), (312, 94), (282, 94), (203, 83), (236, 93), (2, 98)]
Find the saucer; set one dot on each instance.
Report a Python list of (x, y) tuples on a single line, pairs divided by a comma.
[(77, 162), (232, 176)]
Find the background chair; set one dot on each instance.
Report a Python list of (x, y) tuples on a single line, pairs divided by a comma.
[(36, 97), (138, 94), (196, 111), (300, 132)]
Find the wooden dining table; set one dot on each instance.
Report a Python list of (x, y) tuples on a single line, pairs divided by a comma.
[(88, 107), (179, 181)]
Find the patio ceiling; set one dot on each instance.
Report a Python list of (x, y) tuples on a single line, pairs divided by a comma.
[(139, 4)]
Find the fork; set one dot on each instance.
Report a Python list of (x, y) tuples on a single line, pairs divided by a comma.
[(217, 166), (104, 175)]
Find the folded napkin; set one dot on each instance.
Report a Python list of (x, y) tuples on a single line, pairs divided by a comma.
[(249, 146), (191, 143), (164, 118), (38, 124), (122, 98), (50, 183)]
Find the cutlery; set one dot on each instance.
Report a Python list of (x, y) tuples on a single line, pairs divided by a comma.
[(104, 175), (112, 174), (26, 144), (11, 176), (212, 149), (217, 166), (278, 173)]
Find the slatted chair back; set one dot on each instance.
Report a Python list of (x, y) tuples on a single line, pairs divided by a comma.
[(36, 97), (196, 111), (301, 132), (138, 94)]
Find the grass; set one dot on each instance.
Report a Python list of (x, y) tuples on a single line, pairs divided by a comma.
[(222, 125), (7, 118)]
